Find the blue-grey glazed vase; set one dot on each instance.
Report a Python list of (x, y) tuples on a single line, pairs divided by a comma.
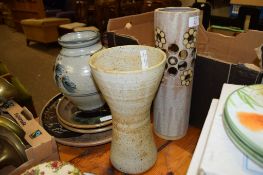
[(72, 72)]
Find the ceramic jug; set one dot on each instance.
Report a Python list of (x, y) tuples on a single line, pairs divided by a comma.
[(72, 73)]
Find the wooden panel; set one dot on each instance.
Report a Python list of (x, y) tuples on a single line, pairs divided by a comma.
[(247, 2), (26, 9)]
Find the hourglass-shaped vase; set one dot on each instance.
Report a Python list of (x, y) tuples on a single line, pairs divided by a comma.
[(128, 85)]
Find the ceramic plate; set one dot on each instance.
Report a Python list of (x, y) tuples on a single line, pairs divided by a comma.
[(49, 120), (244, 113), (86, 131), (242, 146), (52, 168), (70, 115)]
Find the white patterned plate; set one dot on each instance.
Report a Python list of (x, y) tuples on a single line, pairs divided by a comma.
[(244, 111), (52, 168)]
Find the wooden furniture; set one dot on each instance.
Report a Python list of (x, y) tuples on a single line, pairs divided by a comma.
[(24, 9), (247, 2), (173, 156), (42, 30), (104, 11), (150, 5)]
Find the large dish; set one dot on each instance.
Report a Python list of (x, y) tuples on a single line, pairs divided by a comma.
[(241, 145), (49, 120), (70, 115), (244, 113)]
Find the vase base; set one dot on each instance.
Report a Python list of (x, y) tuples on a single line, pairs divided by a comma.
[(87, 103), (133, 171), (169, 137)]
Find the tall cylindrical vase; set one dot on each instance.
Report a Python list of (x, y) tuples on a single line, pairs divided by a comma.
[(128, 77), (175, 33)]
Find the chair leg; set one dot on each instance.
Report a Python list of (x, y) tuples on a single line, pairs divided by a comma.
[(27, 42)]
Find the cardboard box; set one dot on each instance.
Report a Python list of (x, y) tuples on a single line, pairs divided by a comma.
[(35, 155), (220, 59), (43, 146)]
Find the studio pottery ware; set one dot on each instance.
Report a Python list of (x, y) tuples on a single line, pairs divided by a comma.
[(243, 120), (176, 33), (70, 115), (71, 71), (49, 120), (128, 77)]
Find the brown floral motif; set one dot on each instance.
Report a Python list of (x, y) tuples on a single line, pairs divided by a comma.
[(186, 77), (190, 38), (183, 54), (55, 164), (172, 71), (182, 65), (173, 48), (160, 39)]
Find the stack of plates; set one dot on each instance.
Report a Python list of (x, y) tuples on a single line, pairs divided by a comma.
[(93, 121), (243, 121), (72, 127)]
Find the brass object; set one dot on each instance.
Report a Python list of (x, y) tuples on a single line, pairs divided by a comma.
[(12, 150), (7, 90), (13, 126)]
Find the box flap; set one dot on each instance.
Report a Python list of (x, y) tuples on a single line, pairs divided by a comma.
[(231, 49), (138, 26), (234, 49)]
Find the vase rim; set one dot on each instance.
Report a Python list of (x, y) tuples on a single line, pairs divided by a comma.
[(96, 55), (176, 10), (78, 37)]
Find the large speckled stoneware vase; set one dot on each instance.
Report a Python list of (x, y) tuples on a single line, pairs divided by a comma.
[(175, 33), (128, 77), (72, 74)]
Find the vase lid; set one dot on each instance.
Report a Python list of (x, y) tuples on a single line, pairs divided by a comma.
[(79, 39)]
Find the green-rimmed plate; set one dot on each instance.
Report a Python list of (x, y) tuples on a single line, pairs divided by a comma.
[(244, 112), (254, 156)]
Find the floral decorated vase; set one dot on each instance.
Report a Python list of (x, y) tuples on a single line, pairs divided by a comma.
[(176, 34), (72, 73), (128, 77)]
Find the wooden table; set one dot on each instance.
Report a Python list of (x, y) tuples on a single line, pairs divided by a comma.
[(173, 156)]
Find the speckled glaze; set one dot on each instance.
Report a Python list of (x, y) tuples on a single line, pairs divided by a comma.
[(176, 34), (72, 73), (129, 90)]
